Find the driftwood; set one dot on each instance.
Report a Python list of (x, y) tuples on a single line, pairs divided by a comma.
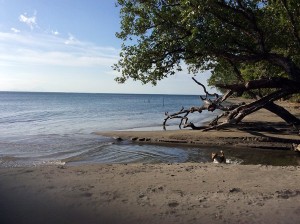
[(236, 113)]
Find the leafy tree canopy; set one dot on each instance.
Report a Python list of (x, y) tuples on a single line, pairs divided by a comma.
[(238, 40)]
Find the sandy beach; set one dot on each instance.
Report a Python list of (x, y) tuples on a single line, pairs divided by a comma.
[(145, 193), (162, 193)]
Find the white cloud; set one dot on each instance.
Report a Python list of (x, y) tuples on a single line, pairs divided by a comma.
[(29, 21), (55, 32), (49, 61), (15, 30), (47, 49), (71, 40)]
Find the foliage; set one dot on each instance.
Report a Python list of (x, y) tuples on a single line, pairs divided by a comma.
[(237, 40)]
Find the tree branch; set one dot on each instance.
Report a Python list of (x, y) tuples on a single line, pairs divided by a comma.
[(235, 113), (262, 83), (292, 21)]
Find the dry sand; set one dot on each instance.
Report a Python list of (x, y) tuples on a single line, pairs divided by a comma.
[(160, 193), (145, 193)]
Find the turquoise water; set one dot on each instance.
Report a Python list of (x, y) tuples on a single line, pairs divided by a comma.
[(57, 128)]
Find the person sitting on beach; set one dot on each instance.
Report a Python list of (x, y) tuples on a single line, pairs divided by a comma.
[(218, 158)]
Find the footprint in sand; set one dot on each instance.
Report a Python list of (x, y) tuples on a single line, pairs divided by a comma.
[(173, 204), (143, 199), (87, 194), (235, 190), (155, 189), (286, 194)]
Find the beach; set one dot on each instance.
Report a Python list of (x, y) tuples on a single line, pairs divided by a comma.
[(151, 193), (162, 192)]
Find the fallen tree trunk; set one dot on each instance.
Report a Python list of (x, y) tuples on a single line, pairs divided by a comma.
[(282, 113), (236, 113)]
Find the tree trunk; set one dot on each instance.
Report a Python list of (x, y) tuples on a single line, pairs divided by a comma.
[(282, 113)]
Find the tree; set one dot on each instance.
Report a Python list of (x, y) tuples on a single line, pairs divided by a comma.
[(249, 46)]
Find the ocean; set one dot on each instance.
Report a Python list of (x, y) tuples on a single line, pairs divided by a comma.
[(59, 128)]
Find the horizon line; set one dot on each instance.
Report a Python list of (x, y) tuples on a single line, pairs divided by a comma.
[(61, 92)]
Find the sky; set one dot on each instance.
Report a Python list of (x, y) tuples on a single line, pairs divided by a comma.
[(70, 46)]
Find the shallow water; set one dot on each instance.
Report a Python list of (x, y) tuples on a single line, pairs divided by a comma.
[(56, 128), (126, 152), (86, 149)]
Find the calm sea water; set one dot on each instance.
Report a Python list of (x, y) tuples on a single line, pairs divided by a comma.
[(58, 128)]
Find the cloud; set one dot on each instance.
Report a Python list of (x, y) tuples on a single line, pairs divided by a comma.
[(47, 49), (71, 40), (33, 61), (15, 30), (45, 57), (29, 21), (55, 32)]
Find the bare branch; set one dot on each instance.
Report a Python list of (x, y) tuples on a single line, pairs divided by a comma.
[(204, 89), (236, 112)]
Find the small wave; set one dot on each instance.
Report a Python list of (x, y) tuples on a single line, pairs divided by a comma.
[(234, 161), (50, 163), (89, 153), (15, 162), (129, 153)]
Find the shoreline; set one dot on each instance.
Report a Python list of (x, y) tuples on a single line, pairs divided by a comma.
[(226, 138), (261, 129)]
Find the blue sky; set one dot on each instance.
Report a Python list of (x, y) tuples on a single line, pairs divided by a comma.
[(69, 46)]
